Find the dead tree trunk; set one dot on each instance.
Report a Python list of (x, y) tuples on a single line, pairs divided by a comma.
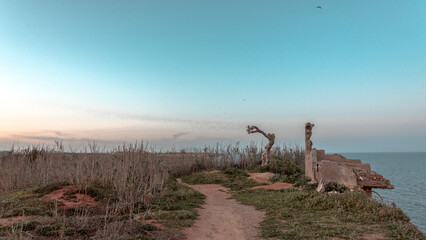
[(266, 156)]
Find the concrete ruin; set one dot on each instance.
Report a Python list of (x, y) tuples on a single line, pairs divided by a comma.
[(322, 168)]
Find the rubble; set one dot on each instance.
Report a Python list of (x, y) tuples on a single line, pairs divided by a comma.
[(355, 175)]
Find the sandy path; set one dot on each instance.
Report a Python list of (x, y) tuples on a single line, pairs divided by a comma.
[(223, 218)]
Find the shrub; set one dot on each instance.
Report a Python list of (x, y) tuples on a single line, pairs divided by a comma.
[(235, 172), (148, 227), (29, 226), (287, 171), (50, 188), (332, 186), (48, 230), (205, 178)]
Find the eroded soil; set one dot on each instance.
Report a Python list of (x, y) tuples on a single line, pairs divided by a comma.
[(69, 197), (223, 218), (264, 178)]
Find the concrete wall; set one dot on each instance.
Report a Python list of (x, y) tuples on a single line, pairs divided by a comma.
[(320, 154), (309, 166), (340, 158), (336, 168), (335, 172), (332, 167)]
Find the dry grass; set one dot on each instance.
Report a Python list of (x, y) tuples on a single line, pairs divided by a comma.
[(135, 172), (132, 173), (134, 186), (130, 182)]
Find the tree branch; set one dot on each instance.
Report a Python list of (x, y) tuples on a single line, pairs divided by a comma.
[(254, 129)]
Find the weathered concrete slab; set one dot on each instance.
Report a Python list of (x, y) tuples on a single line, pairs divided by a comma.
[(338, 173), (336, 168)]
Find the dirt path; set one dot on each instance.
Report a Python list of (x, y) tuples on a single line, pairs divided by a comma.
[(223, 218)]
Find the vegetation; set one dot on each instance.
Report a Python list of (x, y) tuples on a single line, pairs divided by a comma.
[(173, 208), (232, 178), (137, 196), (287, 171), (307, 214), (176, 207), (133, 186), (294, 214), (335, 187)]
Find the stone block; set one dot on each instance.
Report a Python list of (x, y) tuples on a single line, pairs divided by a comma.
[(320, 155), (335, 172)]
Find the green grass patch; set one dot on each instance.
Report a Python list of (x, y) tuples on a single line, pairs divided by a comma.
[(27, 207), (176, 207), (287, 171), (293, 214), (336, 187), (48, 230), (30, 225), (101, 193), (176, 215), (177, 197), (148, 227), (206, 178), (41, 191)]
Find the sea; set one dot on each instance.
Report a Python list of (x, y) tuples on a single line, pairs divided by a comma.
[(407, 172)]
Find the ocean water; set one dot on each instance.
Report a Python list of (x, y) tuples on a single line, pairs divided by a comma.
[(407, 172)]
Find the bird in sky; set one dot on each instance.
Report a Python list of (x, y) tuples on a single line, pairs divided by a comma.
[(319, 7)]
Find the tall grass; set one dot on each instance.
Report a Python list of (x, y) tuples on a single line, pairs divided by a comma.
[(136, 173), (221, 157), (132, 173)]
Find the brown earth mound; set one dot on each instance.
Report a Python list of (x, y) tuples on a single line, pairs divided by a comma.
[(261, 177), (264, 178), (69, 197)]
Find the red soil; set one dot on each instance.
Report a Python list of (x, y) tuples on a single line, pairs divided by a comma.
[(264, 178), (69, 197), (261, 177)]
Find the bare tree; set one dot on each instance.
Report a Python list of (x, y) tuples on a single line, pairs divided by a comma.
[(266, 156)]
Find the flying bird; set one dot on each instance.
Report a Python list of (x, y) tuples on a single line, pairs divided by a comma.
[(319, 7)]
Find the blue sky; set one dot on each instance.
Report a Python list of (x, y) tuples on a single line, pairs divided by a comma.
[(190, 73)]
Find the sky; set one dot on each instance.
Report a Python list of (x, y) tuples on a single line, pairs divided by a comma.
[(194, 73)]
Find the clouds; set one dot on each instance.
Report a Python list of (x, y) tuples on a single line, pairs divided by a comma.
[(188, 122), (177, 135)]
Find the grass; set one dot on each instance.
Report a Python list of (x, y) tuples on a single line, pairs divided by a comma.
[(24, 203), (134, 184), (232, 178), (286, 171), (294, 214), (307, 214), (130, 182), (174, 207)]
